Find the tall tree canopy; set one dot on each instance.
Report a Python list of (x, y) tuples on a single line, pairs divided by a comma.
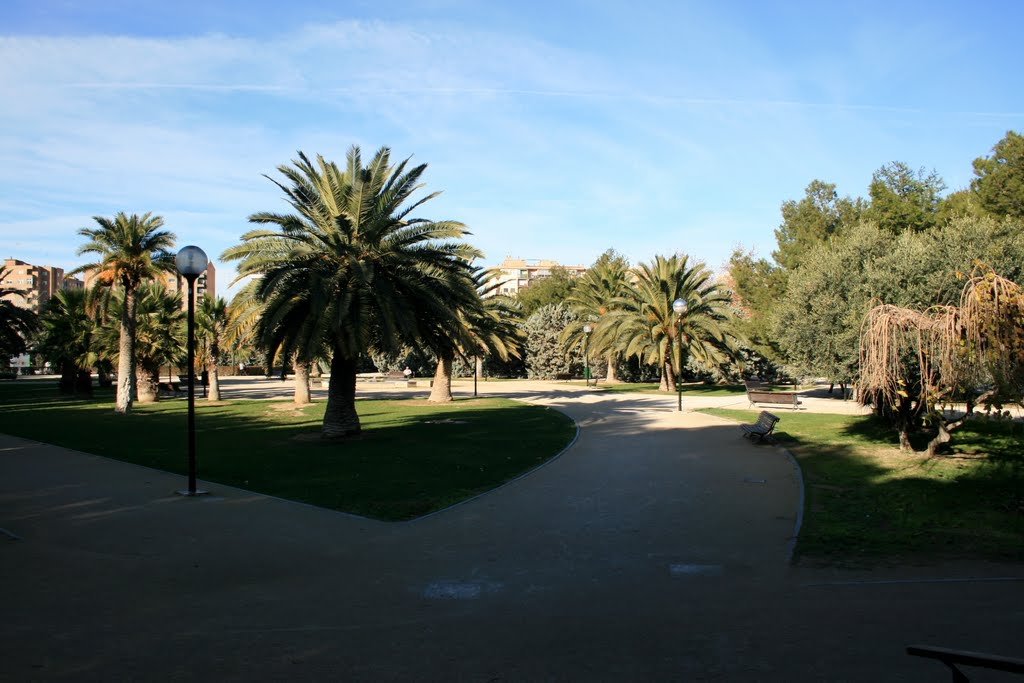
[(999, 181), (903, 200), (554, 289), (350, 269), (811, 221)]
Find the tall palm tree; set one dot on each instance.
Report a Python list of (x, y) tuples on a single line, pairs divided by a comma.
[(67, 339), (645, 325), (350, 267), (16, 323), (592, 299), (212, 324), (130, 250)]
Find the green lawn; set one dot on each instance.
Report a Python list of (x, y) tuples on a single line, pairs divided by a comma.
[(867, 502), (414, 457)]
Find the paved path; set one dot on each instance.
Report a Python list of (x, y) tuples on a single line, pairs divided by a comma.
[(655, 548)]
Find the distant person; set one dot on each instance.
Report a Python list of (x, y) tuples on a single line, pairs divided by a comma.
[(407, 372), (241, 368)]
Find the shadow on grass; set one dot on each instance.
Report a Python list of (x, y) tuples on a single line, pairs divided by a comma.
[(412, 458)]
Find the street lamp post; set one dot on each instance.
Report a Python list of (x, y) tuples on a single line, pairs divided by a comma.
[(587, 329), (191, 262), (679, 308)]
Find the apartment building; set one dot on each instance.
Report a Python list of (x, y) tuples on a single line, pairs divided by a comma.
[(205, 284), (33, 285), (515, 274)]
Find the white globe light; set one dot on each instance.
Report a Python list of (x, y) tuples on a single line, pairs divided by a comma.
[(679, 306), (191, 261)]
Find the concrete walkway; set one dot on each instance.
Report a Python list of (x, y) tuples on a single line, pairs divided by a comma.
[(655, 548)]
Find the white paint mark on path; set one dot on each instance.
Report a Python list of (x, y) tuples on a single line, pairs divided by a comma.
[(459, 590), (695, 569)]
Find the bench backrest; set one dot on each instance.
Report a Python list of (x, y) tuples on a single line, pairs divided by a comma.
[(766, 420), (772, 396)]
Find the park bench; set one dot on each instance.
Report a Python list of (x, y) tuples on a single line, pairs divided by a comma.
[(568, 377), (762, 429), (171, 389), (179, 388), (779, 398)]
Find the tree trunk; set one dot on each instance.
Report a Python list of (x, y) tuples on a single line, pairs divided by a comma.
[(126, 355), (67, 378), (441, 392), (102, 378), (146, 386), (213, 393), (340, 416), (667, 377), (83, 383), (905, 446), (302, 396), (943, 435), (613, 375)]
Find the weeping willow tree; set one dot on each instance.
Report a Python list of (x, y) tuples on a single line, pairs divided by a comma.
[(914, 364)]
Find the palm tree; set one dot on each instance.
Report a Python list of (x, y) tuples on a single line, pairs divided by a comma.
[(240, 333), (159, 335), (212, 323), (350, 268), (645, 325), (16, 323), (592, 299), (66, 339), (130, 249), (487, 326)]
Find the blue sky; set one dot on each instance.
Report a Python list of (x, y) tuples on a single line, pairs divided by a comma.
[(554, 129)]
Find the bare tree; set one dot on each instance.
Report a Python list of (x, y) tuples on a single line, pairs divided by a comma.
[(913, 364)]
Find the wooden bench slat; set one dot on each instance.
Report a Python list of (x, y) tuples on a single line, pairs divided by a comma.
[(784, 398)]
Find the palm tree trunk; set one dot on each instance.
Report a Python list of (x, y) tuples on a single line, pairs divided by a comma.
[(126, 354), (441, 392), (211, 370), (612, 375), (302, 396), (83, 383), (340, 416), (667, 377), (68, 373)]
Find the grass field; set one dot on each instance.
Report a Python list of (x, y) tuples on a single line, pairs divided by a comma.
[(413, 457), (865, 500)]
